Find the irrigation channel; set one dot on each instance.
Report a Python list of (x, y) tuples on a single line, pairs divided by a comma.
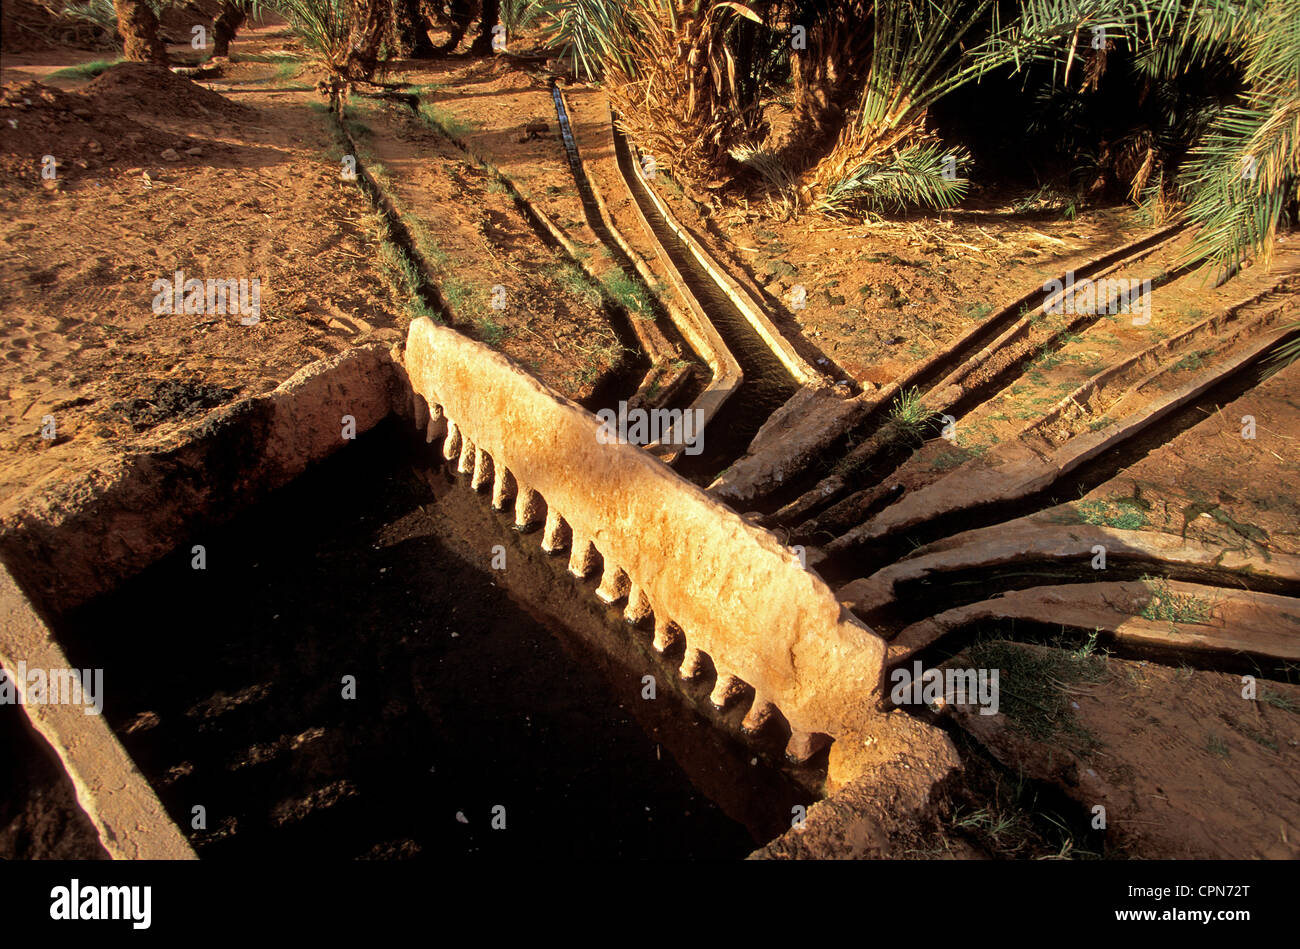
[(767, 383), (1114, 394), (350, 677), (498, 707), (608, 396), (923, 536)]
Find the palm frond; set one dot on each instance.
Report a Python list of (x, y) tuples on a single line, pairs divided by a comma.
[(914, 176), (1178, 37), (1054, 31), (1244, 165), (322, 25), (922, 51), (1240, 177), (670, 72), (1286, 354), (592, 34)]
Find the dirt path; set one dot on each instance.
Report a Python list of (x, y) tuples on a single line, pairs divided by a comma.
[(1181, 764), (497, 278), (1213, 484), (260, 199), (1038, 398)]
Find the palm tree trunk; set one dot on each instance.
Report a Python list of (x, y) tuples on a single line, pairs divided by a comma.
[(487, 20), (224, 29), (414, 29), (139, 28), (371, 20), (457, 22), (827, 78)]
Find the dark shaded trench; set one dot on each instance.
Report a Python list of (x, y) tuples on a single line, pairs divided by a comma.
[(226, 687)]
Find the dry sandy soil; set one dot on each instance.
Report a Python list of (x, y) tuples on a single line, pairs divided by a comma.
[(250, 188), (1185, 767), (250, 194)]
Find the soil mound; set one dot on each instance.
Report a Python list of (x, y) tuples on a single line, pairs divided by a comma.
[(27, 25), (156, 90), (37, 120), (24, 26)]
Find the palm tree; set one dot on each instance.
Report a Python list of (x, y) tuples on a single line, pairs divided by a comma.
[(1244, 168), (414, 28), (489, 13), (671, 75), (229, 20), (345, 35), (864, 78), (830, 50), (138, 25), (1236, 180), (1239, 178), (920, 52)]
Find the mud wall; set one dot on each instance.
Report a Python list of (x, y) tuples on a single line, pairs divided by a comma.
[(728, 588), (67, 542), (123, 808)]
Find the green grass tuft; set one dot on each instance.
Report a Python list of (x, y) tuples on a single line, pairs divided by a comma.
[(909, 414), (1283, 702), (491, 332), (629, 293), (1107, 514), (1165, 604), (1033, 684), (445, 121), (85, 70)]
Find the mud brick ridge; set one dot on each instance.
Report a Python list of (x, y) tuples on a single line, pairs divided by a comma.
[(729, 588)]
